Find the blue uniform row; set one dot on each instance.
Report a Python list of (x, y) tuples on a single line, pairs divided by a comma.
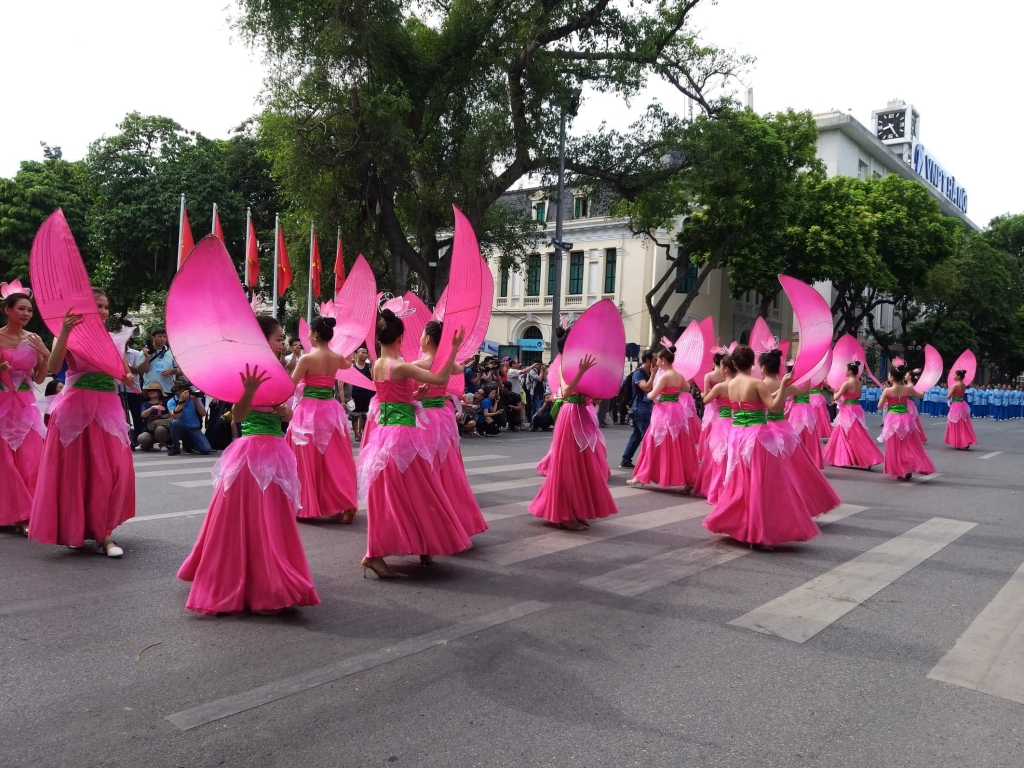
[(985, 402)]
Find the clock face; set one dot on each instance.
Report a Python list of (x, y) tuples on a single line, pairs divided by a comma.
[(891, 125)]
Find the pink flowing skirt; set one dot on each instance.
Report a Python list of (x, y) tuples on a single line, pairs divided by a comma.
[(822, 426), (576, 484), (318, 435), (760, 503), (904, 450), (711, 477), (449, 467), (959, 430), (248, 553), (86, 483), (710, 417), (912, 407), (21, 451), (804, 419), (668, 453), (850, 444)]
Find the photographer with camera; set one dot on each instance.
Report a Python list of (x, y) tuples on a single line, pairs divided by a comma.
[(161, 366), (187, 414)]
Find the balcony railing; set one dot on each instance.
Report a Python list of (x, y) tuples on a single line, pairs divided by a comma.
[(574, 301), (501, 302), (531, 301)]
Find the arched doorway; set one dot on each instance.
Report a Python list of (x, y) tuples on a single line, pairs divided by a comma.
[(531, 357)]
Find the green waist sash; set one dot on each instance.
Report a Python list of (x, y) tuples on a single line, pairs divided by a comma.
[(433, 402), (260, 423), (97, 382), (898, 408), (397, 415), (851, 401), (957, 399), (725, 411), (773, 416), (748, 418), (801, 398), (814, 392), (318, 393), (673, 398), (23, 387), (557, 406)]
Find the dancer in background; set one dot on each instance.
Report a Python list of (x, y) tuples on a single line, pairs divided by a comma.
[(912, 404), (716, 441), (715, 376), (24, 358), (804, 418), (248, 554), (959, 430), (822, 428), (86, 485), (668, 453), (904, 451), (850, 444), (318, 431)]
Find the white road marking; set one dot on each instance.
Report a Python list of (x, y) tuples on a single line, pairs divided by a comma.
[(989, 656), (803, 612), (925, 478), (517, 508), (990, 455)]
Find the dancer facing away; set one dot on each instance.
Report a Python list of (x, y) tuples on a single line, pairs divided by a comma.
[(24, 356), (86, 485), (575, 489), (408, 511), (248, 554), (904, 451), (444, 432), (822, 423), (318, 431), (668, 453), (912, 405), (759, 503), (804, 417), (850, 444), (959, 430), (715, 376), (716, 442)]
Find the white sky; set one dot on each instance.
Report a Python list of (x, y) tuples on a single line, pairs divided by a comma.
[(73, 69)]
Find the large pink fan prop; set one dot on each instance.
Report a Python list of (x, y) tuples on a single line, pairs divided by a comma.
[(554, 372), (784, 349), (814, 319), (846, 350), (61, 283), (598, 332), (690, 351), (819, 374), (932, 371), (414, 325), (214, 333), (707, 332), (355, 309), (474, 336), (462, 303), (761, 340), (967, 362)]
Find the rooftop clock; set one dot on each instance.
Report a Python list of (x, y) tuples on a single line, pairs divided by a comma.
[(891, 125)]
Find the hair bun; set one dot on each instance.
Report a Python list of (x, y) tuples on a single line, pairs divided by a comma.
[(330, 322), (672, 349), (559, 331), (387, 314)]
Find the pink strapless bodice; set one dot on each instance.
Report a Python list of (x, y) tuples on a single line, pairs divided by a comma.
[(897, 400), (749, 405), (670, 391), (391, 391), (723, 402), (22, 360), (319, 381)]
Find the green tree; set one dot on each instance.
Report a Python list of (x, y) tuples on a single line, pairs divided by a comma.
[(388, 111)]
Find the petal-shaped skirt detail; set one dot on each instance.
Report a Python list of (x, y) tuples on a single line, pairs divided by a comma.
[(318, 435), (19, 470), (668, 453), (850, 444), (824, 420), (904, 451), (711, 477), (959, 430)]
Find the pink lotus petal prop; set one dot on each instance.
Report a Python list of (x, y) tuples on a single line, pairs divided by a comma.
[(214, 333), (304, 335), (761, 340), (598, 332), (707, 332), (784, 348), (355, 309), (345, 375), (371, 337), (818, 374), (846, 350), (733, 346), (932, 371), (476, 335), (898, 361), (61, 283), (814, 318), (967, 361), (554, 372), (414, 325), (690, 351), (462, 305)]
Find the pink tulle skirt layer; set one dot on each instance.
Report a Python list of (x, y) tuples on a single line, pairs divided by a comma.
[(86, 483), (318, 435), (904, 451), (248, 554), (711, 476), (576, 484), (760, 503), (803, 417), (668, 453), (959, 430), (710, 417), (912, 407), (850, 444), (823, 423), (693, 421), (19, 470), (452, 472)]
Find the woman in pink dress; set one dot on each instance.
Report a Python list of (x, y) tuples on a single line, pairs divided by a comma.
[(904, 450), (912, 406), (575, 489), (407, 509), (715, 441), (822, 425), (803, 417), (959, 430), (668, 453), (759, 503), (850, 444), (24, 358), (248, 554), (318, 432), (86, 485), (715, 376)]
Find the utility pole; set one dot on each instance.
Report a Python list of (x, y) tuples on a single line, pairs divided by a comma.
[(560, 247)]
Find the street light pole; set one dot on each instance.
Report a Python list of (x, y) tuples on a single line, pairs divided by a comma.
[(556, 257)]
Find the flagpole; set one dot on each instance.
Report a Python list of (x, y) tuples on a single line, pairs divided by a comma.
[(309, 293), (334, 277), (277, 228), (213, 221), (245, 261), (181, 230)]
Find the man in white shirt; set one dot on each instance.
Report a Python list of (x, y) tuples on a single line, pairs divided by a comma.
[(162, 367)]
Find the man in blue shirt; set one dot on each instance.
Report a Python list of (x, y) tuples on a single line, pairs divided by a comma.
[(162, 367), (187, 412), (642, 408)]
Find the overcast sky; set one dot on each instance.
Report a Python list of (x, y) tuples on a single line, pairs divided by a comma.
[(73, 69)]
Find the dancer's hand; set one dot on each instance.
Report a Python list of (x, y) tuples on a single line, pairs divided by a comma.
[(251, 380), (588, 362), (4, 366), (283, 412), (37, 344), (457, 339), (787, 378), (71, 320), (128, 379)]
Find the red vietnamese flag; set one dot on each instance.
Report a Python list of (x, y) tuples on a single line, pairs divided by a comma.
[(314, 267), (217, 231), (339, 268), (252, 258), (284, 267), (186, 243)]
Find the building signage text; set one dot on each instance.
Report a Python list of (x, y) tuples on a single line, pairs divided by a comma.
[(928, 168)]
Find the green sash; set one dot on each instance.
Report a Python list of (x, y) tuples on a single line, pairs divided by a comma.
[(673, 398), (97, 382), (898, 408), (748, 418), (260, 423), (773, 416), (725, 411), (958, 399), (318, 393), (578, 399), (801, 398), (397, 415), (814, 392), (433, 402), (851, 401)]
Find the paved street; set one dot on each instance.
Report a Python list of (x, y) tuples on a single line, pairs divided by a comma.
[(894, 639)]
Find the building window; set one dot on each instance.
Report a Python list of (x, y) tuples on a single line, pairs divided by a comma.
[(540, 210), (553, 263), (684, 267), (876, 175), (581, 208), (862, 170), (533, 275), (576, 273), (609, 270), (531, 357), (504, 283)]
